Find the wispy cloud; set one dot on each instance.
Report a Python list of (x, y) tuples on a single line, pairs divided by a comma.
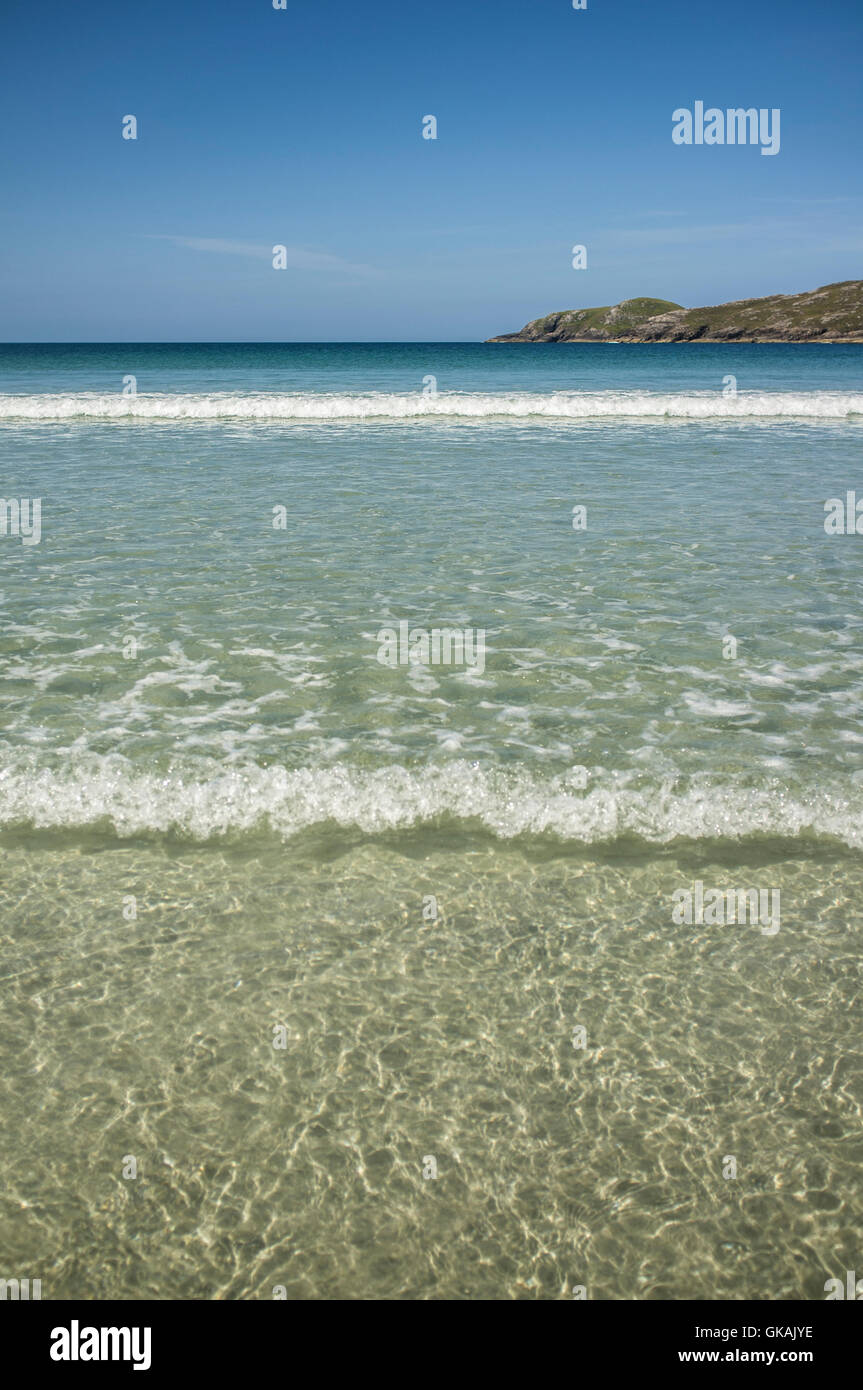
[(296, 257)]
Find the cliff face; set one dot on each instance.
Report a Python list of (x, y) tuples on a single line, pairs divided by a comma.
[(833, 314)]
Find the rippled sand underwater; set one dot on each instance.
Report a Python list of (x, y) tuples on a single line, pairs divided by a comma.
[(409, 1039)]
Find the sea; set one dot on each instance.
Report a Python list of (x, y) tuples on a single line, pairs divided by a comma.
[(431, 820)]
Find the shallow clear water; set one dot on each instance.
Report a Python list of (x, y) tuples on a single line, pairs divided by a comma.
[(221, 812)]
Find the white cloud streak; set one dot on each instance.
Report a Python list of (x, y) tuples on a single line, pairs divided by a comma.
[(296, 257)]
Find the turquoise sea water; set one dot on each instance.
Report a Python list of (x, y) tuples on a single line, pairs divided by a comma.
[(221, 814)]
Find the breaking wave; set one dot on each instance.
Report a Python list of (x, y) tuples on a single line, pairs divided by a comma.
[(382, 406), (207, 801)]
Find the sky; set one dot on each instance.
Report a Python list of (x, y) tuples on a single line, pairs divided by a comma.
[(303, 127)]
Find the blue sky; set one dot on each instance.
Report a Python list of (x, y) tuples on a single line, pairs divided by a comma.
[(303, 127)]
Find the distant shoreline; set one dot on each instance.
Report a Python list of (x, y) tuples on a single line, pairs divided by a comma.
[(832, 314), (678, 342)]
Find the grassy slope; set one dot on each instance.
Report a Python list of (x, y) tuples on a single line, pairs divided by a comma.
[(833, 311), (608, 321)]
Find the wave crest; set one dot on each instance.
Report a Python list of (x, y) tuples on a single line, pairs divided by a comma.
[(382, 406), (211, 802)]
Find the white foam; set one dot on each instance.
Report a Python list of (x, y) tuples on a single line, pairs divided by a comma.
[(207, 801), (382, 406)]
